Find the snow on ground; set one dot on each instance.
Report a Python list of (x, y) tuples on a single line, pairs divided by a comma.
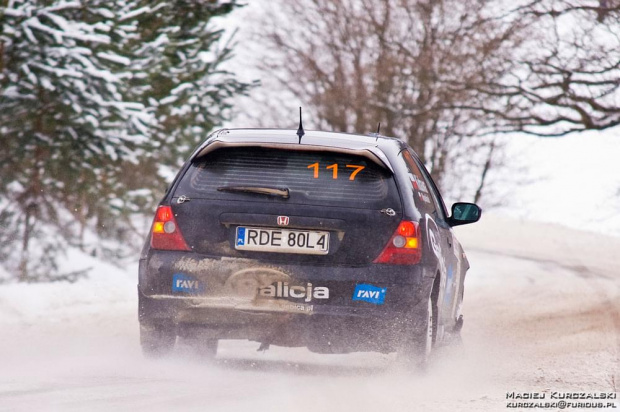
[(107, 287), (548, 296), (573, 180), (542, 312)]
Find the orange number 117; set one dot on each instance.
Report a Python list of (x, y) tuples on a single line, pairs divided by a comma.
[(334, 169)]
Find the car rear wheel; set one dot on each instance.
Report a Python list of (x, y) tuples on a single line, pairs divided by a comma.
[(418, 345), (157, 340)]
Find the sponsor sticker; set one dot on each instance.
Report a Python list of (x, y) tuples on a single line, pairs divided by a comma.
[(284, 290), (186, 283), (424, 197), (418, 183), (370, 294), (300, 307), (450, 285)]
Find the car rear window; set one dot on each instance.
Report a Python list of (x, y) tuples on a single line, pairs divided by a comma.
[(323, 178)]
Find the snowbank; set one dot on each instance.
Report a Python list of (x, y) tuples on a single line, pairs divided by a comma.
[(526, 239), (107, 288)]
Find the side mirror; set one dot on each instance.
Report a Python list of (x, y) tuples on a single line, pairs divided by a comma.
[(464, 213)]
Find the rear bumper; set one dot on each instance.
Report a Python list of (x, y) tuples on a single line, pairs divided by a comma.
[(227, 302)]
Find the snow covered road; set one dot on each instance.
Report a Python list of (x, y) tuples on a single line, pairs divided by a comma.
[(542, 312)]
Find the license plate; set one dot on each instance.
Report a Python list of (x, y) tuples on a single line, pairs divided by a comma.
[(309, 242)]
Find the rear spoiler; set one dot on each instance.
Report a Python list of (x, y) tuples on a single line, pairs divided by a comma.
[(371, 153)]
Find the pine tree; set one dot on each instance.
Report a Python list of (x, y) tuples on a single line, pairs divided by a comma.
[(176, 67), (92, 101)]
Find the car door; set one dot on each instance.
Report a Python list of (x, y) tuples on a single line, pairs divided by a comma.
[(444, 245)]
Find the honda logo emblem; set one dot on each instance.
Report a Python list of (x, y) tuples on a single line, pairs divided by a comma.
[(283, 220)]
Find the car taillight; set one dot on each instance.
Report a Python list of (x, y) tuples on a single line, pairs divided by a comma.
[(404, 247), (165, 234)]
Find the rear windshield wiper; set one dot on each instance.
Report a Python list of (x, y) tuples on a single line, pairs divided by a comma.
[(262, 190)]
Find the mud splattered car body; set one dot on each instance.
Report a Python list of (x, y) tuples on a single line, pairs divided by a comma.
[(336, 242)]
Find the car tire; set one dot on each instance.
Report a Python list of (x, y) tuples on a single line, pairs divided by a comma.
[(157, 340), (418, 345)]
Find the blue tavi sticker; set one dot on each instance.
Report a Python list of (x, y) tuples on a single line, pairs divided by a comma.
[(240, 236), (369, 293), (186, 283), (449, 284)]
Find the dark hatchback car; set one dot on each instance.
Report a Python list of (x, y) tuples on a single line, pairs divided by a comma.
[(336, 242)]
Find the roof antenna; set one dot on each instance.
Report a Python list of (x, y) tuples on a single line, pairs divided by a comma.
[(300, 131), (378, 130)]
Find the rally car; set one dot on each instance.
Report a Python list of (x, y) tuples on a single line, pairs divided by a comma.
[(332, 241)]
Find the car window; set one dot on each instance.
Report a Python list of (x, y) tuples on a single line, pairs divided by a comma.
[(321, 178), (436, 198), (420, 187)]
